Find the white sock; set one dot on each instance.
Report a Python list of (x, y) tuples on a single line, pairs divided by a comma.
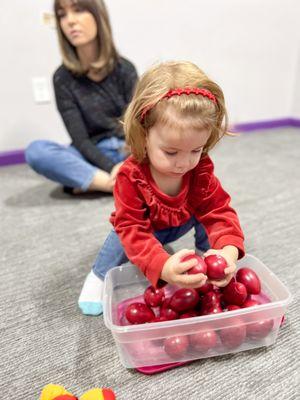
[(90, 299)]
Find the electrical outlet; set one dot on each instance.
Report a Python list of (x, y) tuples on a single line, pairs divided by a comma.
[(41, 92), (48, 19)]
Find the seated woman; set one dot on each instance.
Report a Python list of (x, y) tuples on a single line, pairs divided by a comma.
[(92, 90)]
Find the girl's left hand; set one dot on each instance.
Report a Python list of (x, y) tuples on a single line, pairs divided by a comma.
[(230, 253)]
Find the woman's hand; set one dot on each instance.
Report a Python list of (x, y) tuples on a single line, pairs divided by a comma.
[(114, 171), (174, 270), (230, 253)]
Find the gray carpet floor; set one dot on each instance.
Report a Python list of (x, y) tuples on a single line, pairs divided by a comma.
[(49, 241)]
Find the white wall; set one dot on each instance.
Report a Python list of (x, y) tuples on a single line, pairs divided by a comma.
[(250, 47), (295, 99), (28, 49)]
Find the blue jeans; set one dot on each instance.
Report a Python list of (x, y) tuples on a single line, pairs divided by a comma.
[(112, 253), (66, 165)]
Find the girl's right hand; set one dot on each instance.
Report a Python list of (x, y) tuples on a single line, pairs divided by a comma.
[(174, 271)]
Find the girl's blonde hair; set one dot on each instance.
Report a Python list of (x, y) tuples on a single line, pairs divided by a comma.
[(191, 110), (108, 55)]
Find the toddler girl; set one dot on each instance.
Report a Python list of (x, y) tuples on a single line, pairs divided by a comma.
[(167, 186)]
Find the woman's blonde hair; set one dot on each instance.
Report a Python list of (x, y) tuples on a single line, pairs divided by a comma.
[(108, 55), (192, 110)]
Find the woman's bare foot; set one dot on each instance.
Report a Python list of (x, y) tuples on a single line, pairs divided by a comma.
[(102, 182)]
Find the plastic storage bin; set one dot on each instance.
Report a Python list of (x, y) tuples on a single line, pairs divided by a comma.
[(143, 345)]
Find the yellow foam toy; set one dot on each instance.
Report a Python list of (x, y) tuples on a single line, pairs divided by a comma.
[(93, 394), (51, 391), (57, 392)]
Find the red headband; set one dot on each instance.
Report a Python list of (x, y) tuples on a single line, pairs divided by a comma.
[(179, 92)]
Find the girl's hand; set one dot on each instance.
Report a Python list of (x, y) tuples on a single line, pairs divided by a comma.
[(230, 253), (174, 270)]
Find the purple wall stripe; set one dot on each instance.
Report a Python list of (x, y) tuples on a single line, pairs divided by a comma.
[(12, 157), (17, 156), (260, 125), (295, 123)]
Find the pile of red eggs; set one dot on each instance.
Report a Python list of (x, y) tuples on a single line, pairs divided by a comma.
[(205, 300)]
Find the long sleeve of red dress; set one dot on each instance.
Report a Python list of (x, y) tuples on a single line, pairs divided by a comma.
[(214, 211), (135, 230)]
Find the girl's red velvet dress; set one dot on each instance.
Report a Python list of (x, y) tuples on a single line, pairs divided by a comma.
[(142, 209)]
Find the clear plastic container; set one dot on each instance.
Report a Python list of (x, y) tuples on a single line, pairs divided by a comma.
[(232, 331)]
